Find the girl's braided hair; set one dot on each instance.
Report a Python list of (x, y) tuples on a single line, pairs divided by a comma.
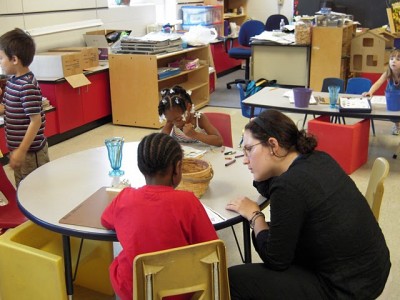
[(156, 152)]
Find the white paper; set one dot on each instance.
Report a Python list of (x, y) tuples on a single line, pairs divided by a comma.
[(277, 37), (355, 103), (378, 100), (213, 215), (189, 152)]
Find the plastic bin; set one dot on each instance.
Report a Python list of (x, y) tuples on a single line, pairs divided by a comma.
[(347, 144), (393, 100), (202, 15), (219, 27)]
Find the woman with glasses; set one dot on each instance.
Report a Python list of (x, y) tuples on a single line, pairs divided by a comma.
[(182, 121), (323, 241)]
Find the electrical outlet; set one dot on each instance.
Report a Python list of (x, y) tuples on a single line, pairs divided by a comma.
[(280, 2)]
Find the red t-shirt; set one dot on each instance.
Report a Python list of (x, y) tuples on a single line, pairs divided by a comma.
[(152, 218)]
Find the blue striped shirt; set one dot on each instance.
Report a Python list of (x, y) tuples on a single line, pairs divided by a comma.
[(23, 98)]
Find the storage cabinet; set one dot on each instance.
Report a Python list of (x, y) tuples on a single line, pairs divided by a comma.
[(78, 106), (135, 88), (330, 53), (222, 62), (231, 9)]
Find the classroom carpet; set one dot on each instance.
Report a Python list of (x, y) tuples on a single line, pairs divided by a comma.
[(223, 97)]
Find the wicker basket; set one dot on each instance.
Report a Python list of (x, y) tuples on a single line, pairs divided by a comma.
[(196, 176)]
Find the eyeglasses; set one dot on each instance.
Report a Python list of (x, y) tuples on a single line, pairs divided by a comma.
[(247, 149)]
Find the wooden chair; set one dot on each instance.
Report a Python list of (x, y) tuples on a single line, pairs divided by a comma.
[(198, 269), (222, 122), (375, 188), (10, 214)]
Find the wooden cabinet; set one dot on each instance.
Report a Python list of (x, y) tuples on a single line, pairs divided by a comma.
[(135, 88), (78, 106), (330, 53)]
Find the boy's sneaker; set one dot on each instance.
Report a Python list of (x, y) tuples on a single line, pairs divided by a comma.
[(395, 130)]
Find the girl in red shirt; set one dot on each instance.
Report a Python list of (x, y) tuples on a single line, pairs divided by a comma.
[(156, 216)]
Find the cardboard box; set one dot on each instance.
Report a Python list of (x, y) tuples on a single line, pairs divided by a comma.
[(98, 39), (89, 55), (56, 64)]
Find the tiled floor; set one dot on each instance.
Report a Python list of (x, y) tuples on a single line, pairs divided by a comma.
[(383, 144)]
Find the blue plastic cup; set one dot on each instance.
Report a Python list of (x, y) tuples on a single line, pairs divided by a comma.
[(393, 100)]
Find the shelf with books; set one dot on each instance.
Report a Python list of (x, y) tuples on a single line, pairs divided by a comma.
[(135, 84)]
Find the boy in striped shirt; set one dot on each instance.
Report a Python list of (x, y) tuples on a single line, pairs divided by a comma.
[(24, 117)]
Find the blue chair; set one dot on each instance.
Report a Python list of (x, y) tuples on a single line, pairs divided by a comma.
[(247, 30), (246, 110), (359, 85), (273, 22)]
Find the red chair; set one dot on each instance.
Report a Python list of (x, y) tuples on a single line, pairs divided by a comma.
[(10, 214), (222, 122)]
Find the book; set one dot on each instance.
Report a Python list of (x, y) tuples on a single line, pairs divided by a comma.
[(354, 105), (167, 72)]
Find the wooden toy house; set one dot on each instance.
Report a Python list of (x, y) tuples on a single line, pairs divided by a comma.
[(370, 51)]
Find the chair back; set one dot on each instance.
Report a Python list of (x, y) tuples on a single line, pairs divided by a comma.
[(375, 188), (199, 269), (222, 122), (358, 85), (273, 22), (246, 110), (249, 29), (10, 214), (332, 81)]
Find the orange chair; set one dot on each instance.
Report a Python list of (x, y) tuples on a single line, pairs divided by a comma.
[(222, 122), (10, 214)]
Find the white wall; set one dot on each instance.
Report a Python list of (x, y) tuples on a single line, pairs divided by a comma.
[(261, 9), (28, 14)]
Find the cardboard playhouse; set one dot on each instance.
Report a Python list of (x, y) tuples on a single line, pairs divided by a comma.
[(370, 51)]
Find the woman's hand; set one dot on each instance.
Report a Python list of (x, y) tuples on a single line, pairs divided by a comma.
[(244, 206), (366, 94)]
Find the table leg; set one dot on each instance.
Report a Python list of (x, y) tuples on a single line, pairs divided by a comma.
[(252, 108), (68, 265), (247, 242)]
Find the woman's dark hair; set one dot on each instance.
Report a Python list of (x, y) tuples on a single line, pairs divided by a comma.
[(175, 96), (156, 152), (272, 123), (19, 43)]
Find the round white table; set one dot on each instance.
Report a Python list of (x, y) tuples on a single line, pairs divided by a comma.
[(53, 190)]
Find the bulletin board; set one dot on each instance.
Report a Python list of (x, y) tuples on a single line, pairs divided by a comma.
[(370, 13)]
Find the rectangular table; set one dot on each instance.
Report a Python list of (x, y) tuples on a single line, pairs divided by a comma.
[(274, 98), (288, 64)]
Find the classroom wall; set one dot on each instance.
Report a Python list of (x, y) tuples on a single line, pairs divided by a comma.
[(28, 14), (260, 10)]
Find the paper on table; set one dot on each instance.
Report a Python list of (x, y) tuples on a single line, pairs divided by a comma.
[(290, 95), (213, 215), (378, 100), (277, 37), (354, 103), (189, 152)]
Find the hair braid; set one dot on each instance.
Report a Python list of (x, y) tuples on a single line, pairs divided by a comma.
[(156, 152)]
